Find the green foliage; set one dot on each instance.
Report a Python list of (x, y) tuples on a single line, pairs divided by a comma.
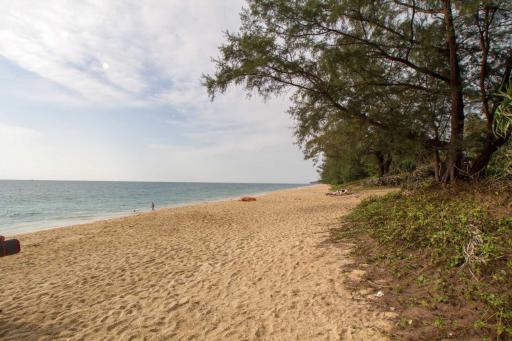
[(342, 170), (460, 232), (376, 71), (345, 156), (503, 114), (500, 165), (417, 222)]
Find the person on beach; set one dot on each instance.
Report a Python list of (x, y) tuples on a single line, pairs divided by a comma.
[(152, 206)]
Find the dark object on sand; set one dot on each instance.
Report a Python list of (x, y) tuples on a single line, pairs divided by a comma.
[(248, 199), (9, 247)]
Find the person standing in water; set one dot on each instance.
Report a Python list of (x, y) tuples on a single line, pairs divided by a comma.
[(152, 206)]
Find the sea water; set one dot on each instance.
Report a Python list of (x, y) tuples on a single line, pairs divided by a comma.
[(35, 205)]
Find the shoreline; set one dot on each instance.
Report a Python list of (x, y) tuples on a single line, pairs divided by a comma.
[(121, 215), (223, 270)]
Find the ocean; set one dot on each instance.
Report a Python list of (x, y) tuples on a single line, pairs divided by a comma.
[(36, 205)]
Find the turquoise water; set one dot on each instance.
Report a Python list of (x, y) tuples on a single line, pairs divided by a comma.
[(36, 205)]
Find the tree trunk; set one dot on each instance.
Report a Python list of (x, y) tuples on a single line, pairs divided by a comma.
[(455, 148), (491, 145), (380, 164), (383, 163), (387, 163), (484, 45), (437, 165)]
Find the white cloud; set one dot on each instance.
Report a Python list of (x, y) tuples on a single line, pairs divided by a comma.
[(120, 53), (117, 51), (140, 54)]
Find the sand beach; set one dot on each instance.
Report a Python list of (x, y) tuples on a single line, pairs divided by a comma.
[(225, 270)]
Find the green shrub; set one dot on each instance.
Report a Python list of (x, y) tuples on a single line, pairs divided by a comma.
[(460, 231), (500, 165)]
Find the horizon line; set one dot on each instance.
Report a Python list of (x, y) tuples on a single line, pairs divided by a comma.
[(154, 181)]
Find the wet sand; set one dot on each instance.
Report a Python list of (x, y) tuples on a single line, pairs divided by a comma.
[(218, 271)]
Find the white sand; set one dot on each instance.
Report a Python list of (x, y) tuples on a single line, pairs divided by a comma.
[(216, 271)]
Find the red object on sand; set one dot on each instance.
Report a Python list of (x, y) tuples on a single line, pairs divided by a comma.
[(248, 199), (9, 247)]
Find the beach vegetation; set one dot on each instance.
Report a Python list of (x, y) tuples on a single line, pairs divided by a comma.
[(449, 250)]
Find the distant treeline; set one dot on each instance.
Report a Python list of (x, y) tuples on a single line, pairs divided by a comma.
[(382, 85)]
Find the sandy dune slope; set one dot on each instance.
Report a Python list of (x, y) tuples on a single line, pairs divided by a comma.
[(216, 271)]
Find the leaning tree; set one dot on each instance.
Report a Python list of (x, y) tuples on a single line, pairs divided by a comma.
[(414, 70)]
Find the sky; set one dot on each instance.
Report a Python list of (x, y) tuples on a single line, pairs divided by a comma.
[(111, 90)]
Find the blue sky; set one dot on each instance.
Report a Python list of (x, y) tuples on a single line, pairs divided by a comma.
[(110, 90)]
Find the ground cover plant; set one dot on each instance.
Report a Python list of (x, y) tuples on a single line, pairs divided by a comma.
[(445, 255)]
